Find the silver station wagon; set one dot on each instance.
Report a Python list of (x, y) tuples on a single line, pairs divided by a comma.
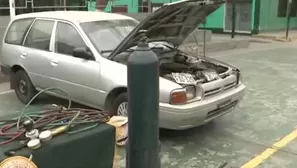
[(85, 54)]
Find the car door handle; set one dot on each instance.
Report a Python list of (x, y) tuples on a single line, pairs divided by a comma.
[(23, 55), (54, 62)]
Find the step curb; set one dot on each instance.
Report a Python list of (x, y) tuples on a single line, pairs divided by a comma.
[(276, 38)]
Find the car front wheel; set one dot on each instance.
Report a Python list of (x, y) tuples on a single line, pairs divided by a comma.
[(23, 87), (120, 105)]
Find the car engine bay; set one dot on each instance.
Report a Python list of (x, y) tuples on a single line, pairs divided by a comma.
[(182, 68), (185, 69)]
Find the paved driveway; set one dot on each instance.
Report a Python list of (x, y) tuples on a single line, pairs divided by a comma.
[(3, 23), (266, 115)]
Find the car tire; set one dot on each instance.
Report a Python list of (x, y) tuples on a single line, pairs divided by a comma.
[(119, 105), (23, 87)]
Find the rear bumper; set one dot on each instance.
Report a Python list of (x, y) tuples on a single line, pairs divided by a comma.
[(198, 113)]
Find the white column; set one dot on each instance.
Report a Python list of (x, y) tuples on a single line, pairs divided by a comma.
[(11, 8), (12, 14)]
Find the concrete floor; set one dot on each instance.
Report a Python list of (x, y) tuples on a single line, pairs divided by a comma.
[(267, 113)]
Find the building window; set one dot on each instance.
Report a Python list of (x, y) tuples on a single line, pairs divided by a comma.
[(282, 8)]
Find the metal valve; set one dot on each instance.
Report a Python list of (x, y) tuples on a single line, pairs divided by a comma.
[(28, 125), (30, 131)]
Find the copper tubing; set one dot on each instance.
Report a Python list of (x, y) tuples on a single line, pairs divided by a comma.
[(54, 118)]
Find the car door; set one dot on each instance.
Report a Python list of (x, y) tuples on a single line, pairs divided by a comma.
[(36, 53), (77, 76)]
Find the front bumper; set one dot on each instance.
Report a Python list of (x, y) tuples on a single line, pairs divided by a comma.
[(179, 117)]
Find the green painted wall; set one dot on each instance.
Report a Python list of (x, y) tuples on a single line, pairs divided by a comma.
[(133, 6), (92, 5), (253, 14), (216, 19), (268, 17), (268, 20)]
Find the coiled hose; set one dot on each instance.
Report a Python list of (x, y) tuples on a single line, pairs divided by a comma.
[(50, 119)]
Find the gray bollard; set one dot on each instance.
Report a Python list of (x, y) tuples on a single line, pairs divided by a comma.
[(143, 109)]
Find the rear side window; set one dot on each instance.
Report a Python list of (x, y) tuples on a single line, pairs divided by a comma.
[(39, 36), (17, 31)]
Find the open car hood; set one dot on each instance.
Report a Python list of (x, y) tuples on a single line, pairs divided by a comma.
[(171, 23)]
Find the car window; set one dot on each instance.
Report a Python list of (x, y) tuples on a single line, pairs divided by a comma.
[(39, 36), (17, 31), (67, 38), (113, 30)]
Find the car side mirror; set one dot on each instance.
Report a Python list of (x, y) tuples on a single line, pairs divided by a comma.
[(82, 52)]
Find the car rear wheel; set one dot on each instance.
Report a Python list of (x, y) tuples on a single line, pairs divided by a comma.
[(23, 87), (120, 105)]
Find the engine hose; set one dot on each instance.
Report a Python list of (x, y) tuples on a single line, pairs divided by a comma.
[(39, 93), (10, 130)]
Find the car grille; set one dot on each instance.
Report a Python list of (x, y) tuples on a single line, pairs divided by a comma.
[(219, 111), (215, 91)]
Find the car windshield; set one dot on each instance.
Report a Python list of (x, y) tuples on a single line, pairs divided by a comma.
[(107, 35)]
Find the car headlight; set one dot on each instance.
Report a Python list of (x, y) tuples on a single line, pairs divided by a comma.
[(190, 92), (178, 96), (199, 93), (238, 77), (181, 96)]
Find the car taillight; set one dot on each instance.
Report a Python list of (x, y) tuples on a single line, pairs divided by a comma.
[(178, 96)]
